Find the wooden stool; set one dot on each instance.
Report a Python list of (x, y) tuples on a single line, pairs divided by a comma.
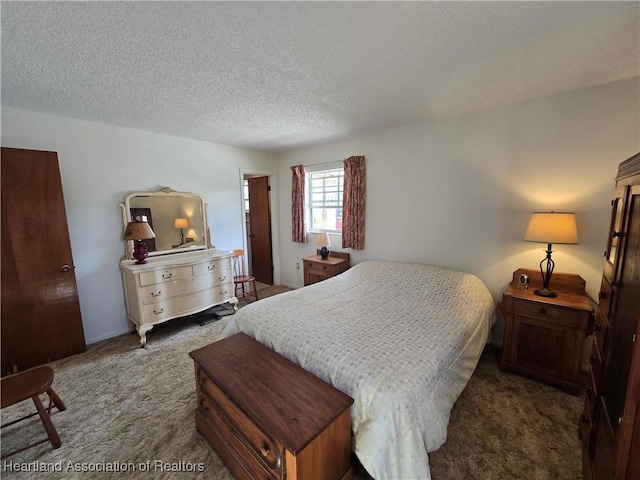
[(31, 384)]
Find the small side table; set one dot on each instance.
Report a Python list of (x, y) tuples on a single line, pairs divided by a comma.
[(316, 269), (544, 337)]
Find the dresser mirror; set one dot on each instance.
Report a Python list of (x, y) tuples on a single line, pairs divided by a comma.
[(178, 219)]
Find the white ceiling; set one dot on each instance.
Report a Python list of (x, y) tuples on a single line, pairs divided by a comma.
[(280, 75)]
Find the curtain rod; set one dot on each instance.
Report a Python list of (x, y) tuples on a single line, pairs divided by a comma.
[(326, 164)]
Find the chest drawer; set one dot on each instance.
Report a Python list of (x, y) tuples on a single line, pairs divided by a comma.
[(545, 312), (260, 444), (165, 275), (216, 429)]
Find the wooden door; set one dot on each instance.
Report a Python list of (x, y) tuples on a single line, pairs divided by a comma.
[(41, 319), (260, 230)]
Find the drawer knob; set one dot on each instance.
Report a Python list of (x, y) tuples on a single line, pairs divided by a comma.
[(156, 294), (159, 311), (543, 311), (211, 266), (264, 450), (165, 276), (602, 295)]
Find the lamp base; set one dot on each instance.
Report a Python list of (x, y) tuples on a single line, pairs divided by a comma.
[(324, 253), (545, 292), (140, 252)]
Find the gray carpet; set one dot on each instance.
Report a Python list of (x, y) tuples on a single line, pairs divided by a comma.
[(131, 410)]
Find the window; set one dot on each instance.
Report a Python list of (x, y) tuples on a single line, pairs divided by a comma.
[(245, 195), (324, 200)]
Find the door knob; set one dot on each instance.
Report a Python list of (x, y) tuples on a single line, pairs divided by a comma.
[(65, 268)]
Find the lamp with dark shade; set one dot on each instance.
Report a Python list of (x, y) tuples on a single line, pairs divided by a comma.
[(181, 223), (550, 228), (138, 231), (322, 242)]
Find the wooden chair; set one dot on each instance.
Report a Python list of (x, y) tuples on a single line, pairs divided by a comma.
[(240, 277), (31, 384)]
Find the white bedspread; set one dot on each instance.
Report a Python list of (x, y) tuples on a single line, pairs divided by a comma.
[(401, 339)]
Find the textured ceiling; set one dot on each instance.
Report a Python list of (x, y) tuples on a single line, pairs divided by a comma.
[(280, 75)]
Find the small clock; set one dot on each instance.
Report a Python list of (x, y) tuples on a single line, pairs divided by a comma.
[(523, 281)]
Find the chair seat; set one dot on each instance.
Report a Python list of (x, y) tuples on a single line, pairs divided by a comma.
[(30, 385), (21, 386), (244, 278)]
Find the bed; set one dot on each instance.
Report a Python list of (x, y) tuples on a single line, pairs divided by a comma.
[(401, 339)]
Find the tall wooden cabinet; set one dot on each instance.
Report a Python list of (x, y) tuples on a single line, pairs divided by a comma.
[(610, 423)]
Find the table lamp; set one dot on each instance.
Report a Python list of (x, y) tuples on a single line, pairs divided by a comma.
[(322, 242), (181, 223), (139, 230), (550, 228)]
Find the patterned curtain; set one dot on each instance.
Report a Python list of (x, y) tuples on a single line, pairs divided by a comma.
[(353, 203), (298, 231)]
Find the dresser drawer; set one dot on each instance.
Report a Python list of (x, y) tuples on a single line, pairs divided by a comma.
[(163, 291), (165, 275), (183, 305), (262, 446), (210, 266), (546, 312)]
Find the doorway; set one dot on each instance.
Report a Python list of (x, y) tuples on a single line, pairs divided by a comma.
[(258, 227)]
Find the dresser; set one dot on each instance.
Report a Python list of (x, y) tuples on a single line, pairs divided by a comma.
[(610, 422), (544, 337), (268, 418), (172, 286), (316, 269)]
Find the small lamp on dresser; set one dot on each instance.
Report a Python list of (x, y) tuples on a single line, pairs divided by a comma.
[(139, 230), (550, 228), (181, 223), (322, 242)]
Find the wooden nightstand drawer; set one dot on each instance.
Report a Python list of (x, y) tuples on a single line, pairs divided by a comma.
[(545, 312), (317, 269)]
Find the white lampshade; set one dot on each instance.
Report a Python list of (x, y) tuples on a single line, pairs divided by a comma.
[(322, 240), (552, 227)]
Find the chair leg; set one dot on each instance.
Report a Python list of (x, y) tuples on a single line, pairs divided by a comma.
[(57, 401), (255, 290), (54, 438)]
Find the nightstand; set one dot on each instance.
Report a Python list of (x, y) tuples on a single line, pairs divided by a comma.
[(544, 337), (316, 269)]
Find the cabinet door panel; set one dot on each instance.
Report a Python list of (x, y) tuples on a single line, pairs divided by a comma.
[(540, 345)]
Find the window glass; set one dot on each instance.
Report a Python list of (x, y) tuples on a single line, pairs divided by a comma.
[(324, 205), (245, 191)]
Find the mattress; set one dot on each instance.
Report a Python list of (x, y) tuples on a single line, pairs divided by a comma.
[(401, 339)]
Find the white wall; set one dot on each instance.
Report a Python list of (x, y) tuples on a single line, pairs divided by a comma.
[(458, 193), (99, 165)]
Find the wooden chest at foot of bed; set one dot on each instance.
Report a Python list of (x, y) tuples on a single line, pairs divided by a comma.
[(267, 417)]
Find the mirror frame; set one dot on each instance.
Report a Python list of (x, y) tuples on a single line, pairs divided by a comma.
[(165, 192)]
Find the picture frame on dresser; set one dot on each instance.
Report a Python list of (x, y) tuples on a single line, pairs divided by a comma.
[(179, 278)]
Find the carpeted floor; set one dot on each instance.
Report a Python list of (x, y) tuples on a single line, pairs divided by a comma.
[(130, 415)]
